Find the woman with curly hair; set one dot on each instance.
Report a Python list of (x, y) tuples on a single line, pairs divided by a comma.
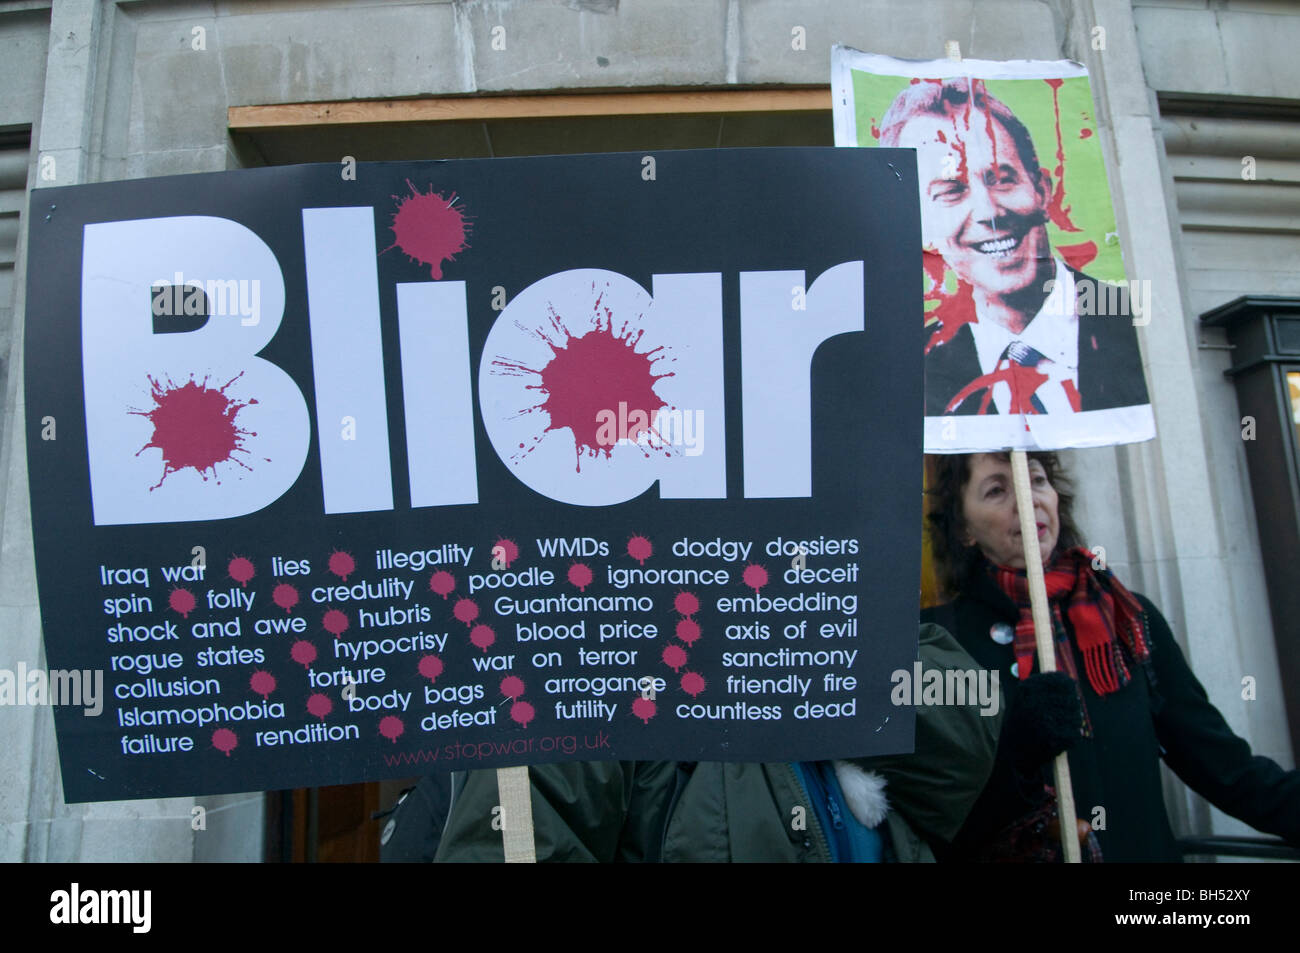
[(1122, 699)]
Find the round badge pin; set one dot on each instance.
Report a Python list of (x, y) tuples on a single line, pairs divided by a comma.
[(1002, 634)]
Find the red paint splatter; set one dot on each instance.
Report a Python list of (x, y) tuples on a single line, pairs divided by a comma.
[(182, 601), (342, 564), (482, 636), (428, 228), (466, 610), (194, 426), (1023, 382), (1072, 392), (431, 667), (1057, 210), (597, 385), (303, 652), (640, 549), (320, 705), (693, 683), (505, 549), (688, 630), (391, 727), (1085, 133), (512, 686), (1076, 256), (954, 309), (580, 576), (522, 712), (674, 657), (643, 708), (754, 576), (285, 596), (336, 622), (263, 683), (223, 739), (443, 583), (241, 570), (875, 130), (686, 603)]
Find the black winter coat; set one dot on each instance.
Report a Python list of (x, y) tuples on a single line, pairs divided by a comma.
[(1117, 769)]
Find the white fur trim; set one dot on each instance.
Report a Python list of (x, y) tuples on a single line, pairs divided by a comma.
[(865, 792)]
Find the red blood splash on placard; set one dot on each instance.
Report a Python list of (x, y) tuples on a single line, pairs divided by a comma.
[(875, 130), (431, 667), (754, 576), (285, 596), (1057, 210), (674, 657), (643, 708), (688, 630), (241, 570), (686, 603), (1085, 133), (580, 576), (320, 705), (693, 683), (1021, 380), (303, 652), (223, 739), (954, 309), (522, 712), (1076, 256), (466, 610), (335, 622), (507, 549), (1073, 395), (194, 426), (182, 601), (597, 385), (263, 683), (512, 686), (482, 636), (342, 564), (443, 583), (640, 549), (391, 727), (428, 228)]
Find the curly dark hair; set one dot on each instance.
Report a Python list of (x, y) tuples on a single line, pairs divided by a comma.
[(947, 475)]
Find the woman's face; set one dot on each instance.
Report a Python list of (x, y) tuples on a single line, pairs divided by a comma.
[(992, 519)]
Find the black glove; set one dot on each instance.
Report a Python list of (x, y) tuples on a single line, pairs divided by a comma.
[(1044, 719)]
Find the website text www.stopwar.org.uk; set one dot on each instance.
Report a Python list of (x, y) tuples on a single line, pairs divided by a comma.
[(478, 751)]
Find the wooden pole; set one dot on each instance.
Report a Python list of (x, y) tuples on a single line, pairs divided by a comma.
[(1043, 638), (516, 815)]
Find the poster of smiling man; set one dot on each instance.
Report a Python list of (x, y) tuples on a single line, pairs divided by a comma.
[(1031, 337)]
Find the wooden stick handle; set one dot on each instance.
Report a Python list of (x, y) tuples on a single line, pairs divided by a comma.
[(516, 815), (1043, 639)]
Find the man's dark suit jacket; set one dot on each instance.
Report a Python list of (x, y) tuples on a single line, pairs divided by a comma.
[(1110, 365)]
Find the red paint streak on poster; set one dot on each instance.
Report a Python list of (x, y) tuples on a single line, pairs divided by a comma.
[(1057, 210), (1085, 133), (954, 309), (241, 570), (644, 708), (1076, 256), (1072, 392), (194, 426), (428, 228), (1022, 381)]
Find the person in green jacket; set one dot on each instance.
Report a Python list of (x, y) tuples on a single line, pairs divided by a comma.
[(664, 811)]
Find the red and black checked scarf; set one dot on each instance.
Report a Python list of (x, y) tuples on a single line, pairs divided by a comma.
[(1103, 613)]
